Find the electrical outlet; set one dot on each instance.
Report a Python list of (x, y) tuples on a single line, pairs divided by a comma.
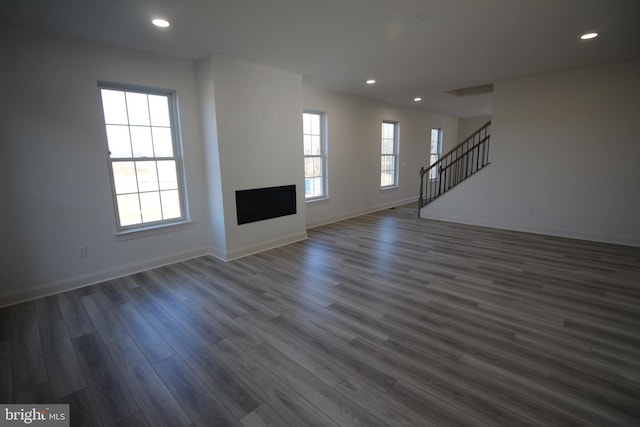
[(81, 251)]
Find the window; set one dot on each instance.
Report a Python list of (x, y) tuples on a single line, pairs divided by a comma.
[(313, 130), (436, 150), (143, 157), (389, 155)]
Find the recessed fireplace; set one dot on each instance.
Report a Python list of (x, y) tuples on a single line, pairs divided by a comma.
[(258, 204)]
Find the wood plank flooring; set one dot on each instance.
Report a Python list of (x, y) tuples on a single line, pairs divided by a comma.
[(381, 320)]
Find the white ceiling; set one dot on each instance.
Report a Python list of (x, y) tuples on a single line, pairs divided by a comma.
[(411, 47)]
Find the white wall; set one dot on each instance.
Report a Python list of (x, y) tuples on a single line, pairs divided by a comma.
[(468, 125), (564, 158), (206, 97), (353, 153), (259, 140), (54, 161)]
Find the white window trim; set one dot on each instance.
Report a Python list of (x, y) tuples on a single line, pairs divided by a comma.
[(440, 135), (152, 230), (396, 155), (156, 227), (323, 156)]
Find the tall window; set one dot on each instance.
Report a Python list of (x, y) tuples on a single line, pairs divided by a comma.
[(143, 157), (389, 155), (315, 184), (436, 150)]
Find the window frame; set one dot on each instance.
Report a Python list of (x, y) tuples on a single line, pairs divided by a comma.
[(145, 228), (395, 155), (322, 156), (433, 175)]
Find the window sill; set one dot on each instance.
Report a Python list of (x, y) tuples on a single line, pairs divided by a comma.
[(152, 230), (390, 187), (316, 199)]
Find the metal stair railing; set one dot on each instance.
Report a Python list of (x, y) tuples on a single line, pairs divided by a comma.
[(455, 166)]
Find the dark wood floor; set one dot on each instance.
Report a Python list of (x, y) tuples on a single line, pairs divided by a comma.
[(383, 319)]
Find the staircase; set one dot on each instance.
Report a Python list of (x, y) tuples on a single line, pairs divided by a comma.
[(455, 166)]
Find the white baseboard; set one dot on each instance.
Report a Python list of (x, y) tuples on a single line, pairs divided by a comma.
[(546, 231), (17, 296), (221, 254), (263, 246), (360, 212)]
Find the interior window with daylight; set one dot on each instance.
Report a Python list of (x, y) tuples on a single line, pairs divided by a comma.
[(143, 157), (436, 150), (389, 155), (314, 156)]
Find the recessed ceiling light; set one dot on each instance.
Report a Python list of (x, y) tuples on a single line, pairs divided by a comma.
[(417, 99), (588, 36), (371, 81), (159, 22)]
